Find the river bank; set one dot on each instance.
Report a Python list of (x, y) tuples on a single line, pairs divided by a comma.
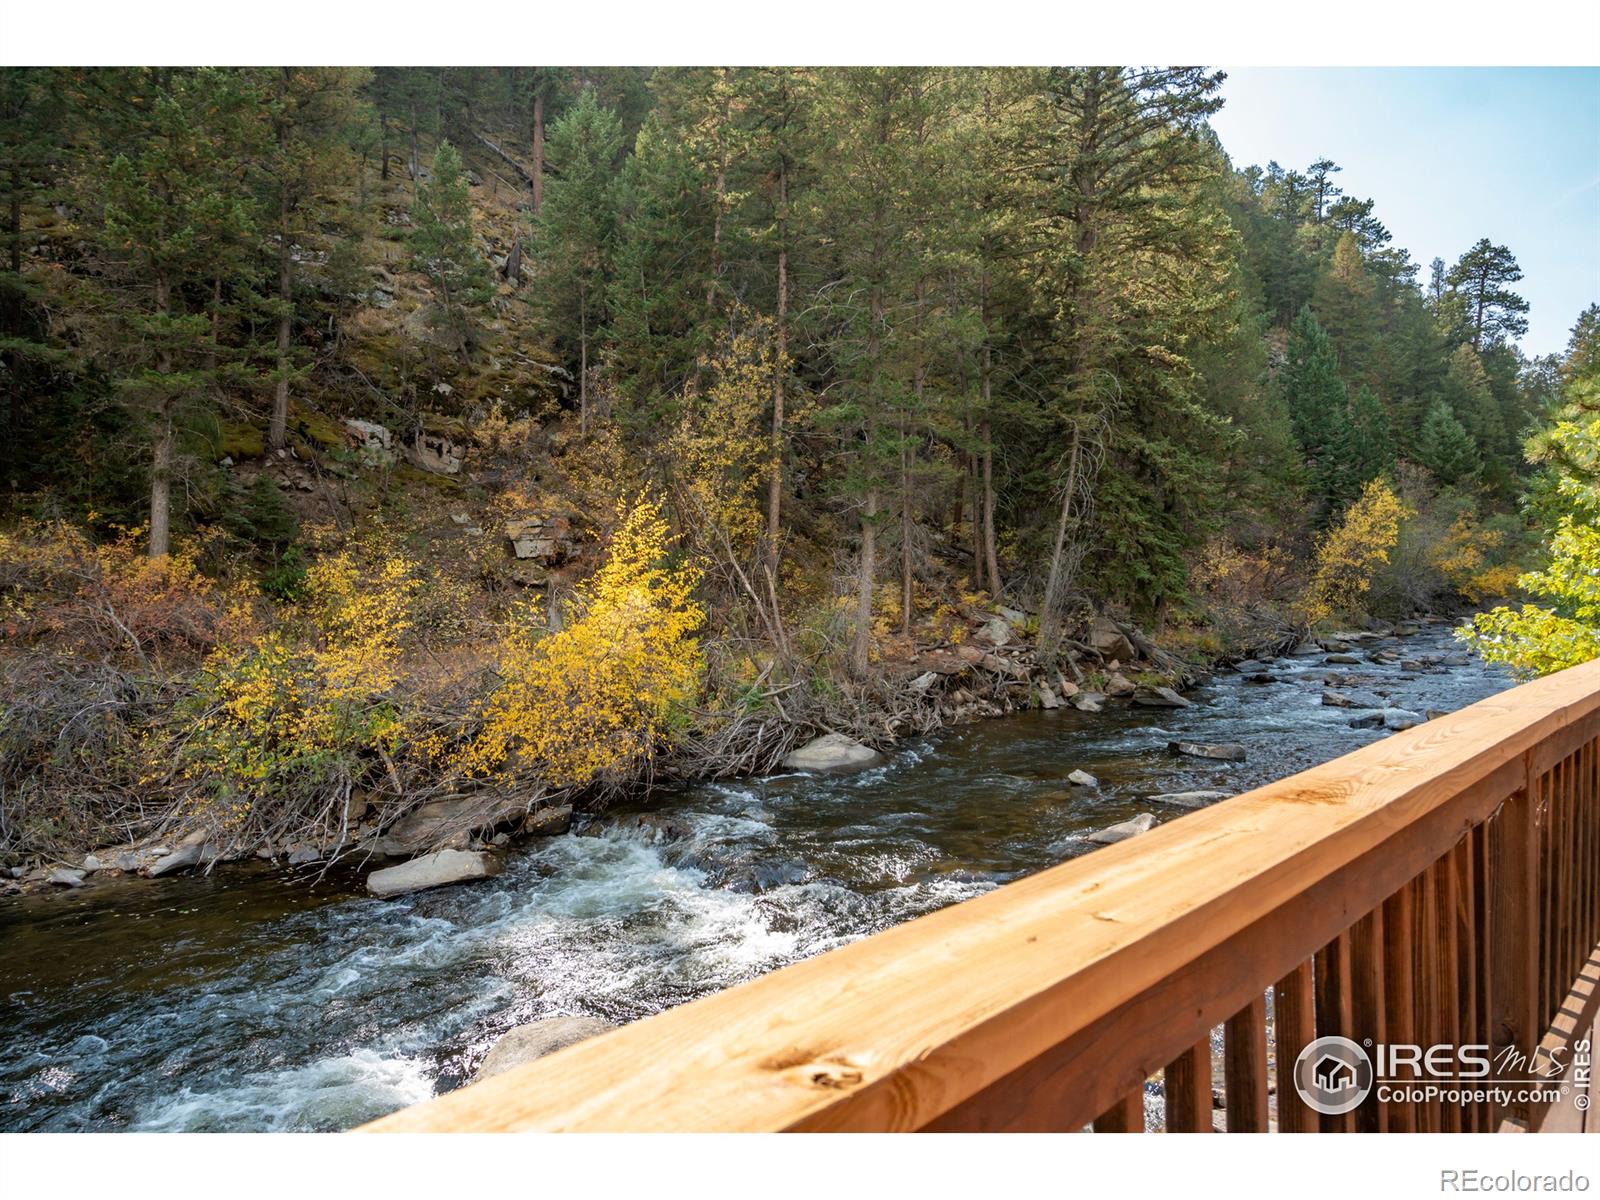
[(204, 1002), (992, 672)]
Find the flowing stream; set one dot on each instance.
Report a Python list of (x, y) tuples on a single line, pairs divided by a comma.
[(257, 1000)]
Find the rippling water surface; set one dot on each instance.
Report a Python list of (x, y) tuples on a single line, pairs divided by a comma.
[(255, 1001)]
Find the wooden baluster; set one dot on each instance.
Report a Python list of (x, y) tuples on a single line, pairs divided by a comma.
[(1366, 1005), (1188, 1090), (1448, 890), (1427, 985), (1513, 842), (1294, 1018), (1467, 958), (1332, 979), (1125, 1116), (1483, 957), (1399, 1003), (1245, 1064)]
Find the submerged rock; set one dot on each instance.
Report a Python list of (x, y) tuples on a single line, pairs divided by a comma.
[(433, 870), (1162, 697), (534, 1040), (1189, 799), (1123, 830), (1350, 699), (831, 752), (1221, 751)]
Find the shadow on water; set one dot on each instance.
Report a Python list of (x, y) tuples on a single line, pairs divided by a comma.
[(242, 1002)]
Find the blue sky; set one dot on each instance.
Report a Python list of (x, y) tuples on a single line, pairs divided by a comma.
[(1450, 154)]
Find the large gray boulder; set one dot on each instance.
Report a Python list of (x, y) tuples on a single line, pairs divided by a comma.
[(180, 859), (433, 870), (831, 752), (536, 1039)]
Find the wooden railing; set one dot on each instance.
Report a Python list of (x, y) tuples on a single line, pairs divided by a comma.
[(1441, 886)]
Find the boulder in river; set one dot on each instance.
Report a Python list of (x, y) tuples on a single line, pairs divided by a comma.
[(1123, 830), (65, 878), (1221, 751), (548, 821), (431, 871), (1161, 697), (1249, 666), (1106, 636), (1089, 702), (1120, 685), (534, 1040), (1189, 799), (1047, 697), (1342, 659), (831, 752), (1367, 720), (1083, 779), (1355, 698), (180, 859), (1397, 719)]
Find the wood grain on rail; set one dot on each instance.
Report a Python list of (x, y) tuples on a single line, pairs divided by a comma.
[(893, 1031)]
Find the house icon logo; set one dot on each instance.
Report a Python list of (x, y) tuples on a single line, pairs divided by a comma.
[(1333, 1075)]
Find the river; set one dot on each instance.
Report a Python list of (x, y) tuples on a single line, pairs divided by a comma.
[(256, 999)]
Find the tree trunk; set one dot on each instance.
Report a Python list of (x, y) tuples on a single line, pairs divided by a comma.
[(991, 558), (775, 478), (905, 527), (719, 192), (538, 153), (162, 450), (383, 145), (861, 650), (278, 428), (583, 369), (1049, 619)]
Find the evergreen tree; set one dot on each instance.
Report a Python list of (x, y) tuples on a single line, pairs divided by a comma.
[(1370, 449), (660, 321), (170, 208), (1345, 307), (1446, 448), (1491, 311), (310, 110), (445, 248), (573, 236)]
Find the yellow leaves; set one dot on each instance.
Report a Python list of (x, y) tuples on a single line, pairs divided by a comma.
[(1351, 553), (296, 698), (594, 699), (721, 448)]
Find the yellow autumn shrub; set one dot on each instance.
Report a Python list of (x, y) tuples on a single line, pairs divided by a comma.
[(594, 701), (1350, 554), (290, 710)]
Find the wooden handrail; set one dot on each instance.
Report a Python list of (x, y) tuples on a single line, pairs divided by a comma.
[(1462, 853)]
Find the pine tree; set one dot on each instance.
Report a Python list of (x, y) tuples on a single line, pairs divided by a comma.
[(170, 209), (1370, 449), (1482, 278), (1345, 308), (659, 320), (573, 236), (1312, 390), (445, 248), (1446, 448), (310, 110)]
